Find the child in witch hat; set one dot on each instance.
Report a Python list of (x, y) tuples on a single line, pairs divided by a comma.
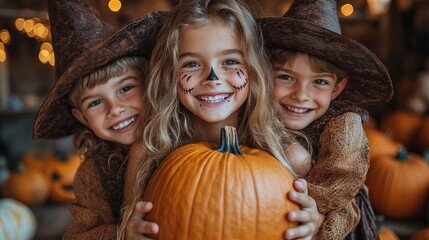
[(100, 72), (324, 80)]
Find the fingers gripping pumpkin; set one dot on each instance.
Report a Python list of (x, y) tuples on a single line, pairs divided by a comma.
[(233, 192)]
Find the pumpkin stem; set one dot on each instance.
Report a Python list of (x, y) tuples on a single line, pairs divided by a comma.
[(402, 154), (229, 141)]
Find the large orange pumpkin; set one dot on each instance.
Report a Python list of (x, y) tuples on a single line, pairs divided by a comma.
[(398, 186), (233, 192)]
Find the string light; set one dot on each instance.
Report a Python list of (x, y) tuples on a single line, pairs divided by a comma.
[(115, 5), (2, 53), (347, 9)]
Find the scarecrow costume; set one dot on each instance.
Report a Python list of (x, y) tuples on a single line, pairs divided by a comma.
[(340, 147), (82, 44)]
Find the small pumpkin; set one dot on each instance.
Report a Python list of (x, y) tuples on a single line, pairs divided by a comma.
[(386, 233), (17, 221), (402, 126), (61, 175), (28, 186), (232, 192), (398, 185), (380, 144)]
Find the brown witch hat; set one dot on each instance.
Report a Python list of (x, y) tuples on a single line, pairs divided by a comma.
[(82, 43), (312, 26)]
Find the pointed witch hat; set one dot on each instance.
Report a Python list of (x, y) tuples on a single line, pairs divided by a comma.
[(83, 43), (312, 27)]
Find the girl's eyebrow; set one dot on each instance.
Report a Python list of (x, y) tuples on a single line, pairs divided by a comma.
[(232, 51), (223, 52), (188, 54)]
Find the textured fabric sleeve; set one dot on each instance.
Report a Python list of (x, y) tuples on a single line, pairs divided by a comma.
[(92, 213), (341, 166), (339, 223)]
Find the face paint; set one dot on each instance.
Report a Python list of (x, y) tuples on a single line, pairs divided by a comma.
[(212, 76), (185, 78), (213, 73), (241, 83)]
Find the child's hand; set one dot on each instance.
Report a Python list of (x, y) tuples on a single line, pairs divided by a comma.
[(137, 226), (309, 217)]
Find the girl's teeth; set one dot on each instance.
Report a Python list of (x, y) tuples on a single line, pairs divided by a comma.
[(124, 123), (213, 99)]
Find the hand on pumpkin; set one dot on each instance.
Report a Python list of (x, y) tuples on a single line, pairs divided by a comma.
[(137, 227), (309, 217)]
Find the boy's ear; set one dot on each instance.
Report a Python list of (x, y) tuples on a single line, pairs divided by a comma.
[(339, 87), (79, 116)]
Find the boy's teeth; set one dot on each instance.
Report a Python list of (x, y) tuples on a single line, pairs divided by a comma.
[(213, 99), (124, 123)]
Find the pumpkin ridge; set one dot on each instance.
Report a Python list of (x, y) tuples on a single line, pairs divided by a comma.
[(256, 195), (208, 155), (225, 182)]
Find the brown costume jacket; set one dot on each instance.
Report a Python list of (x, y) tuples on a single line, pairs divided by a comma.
[(341, 156), (98, 186)]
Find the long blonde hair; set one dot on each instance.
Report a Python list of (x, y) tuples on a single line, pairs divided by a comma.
[(169, 126)]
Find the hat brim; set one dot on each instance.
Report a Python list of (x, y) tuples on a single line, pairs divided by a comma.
[(369, 81), (137, 38)]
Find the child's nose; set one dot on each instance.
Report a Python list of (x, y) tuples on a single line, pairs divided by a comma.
[(212, 79), (116, 110), (212, 76), (301, 93)]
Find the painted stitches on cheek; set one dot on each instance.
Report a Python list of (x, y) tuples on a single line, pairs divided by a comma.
[(241, 82), (184, 81)]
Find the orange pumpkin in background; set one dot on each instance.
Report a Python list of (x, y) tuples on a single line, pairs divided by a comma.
[(398, 186), (401, 126), (38, 159), (28, 186), (233, 192), (380, 144), (384, 232), (60, 174)]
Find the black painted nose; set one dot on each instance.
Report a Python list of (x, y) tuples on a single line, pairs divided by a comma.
[(212, 76)]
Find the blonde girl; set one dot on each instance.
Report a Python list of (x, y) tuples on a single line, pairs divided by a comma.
[(207, 70)]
